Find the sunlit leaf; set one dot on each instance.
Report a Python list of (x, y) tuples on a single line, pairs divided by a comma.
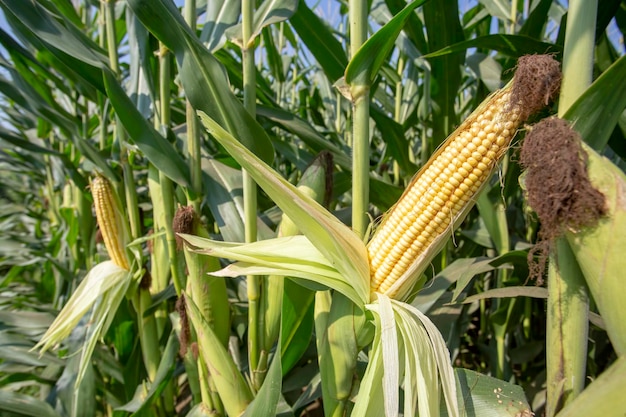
[(342, 247), (511, 45), (202, 75), (596, 112), (220, 15), (484, 396), (98, 281), (364, 66), (292, 256), (268, 13), (597, 249)]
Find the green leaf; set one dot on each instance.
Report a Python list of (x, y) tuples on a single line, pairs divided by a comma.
[(493, 213), (266, 400), (537, 20), (319, 39), (500, 9), (154, 146), (511, 45), (366, 63), (596, 112), (393, 134), (268, 13), (77, 51), (508, 292), (443, 28), (483, 396), (220, 15), (603, 397), (342, 247), (20, 91), (140, 405), (307, 133), (27, 405), (223, 184), (296, 323), (202, 75)]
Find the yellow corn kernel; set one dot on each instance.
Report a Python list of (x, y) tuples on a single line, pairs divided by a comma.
[(441, 191), (109, 216)]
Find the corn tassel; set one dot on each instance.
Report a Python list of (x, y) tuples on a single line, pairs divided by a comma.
[(112, 227), (442, 192)]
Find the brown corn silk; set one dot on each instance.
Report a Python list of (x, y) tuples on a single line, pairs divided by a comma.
[(557, 186)]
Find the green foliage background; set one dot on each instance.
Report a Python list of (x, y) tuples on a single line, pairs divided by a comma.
[(71, 108)]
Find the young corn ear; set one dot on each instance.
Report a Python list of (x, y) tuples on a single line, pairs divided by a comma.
[(443, 191), (112, 225), (207, 292)]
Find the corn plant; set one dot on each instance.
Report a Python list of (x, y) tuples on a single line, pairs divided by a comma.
[(291, 208)]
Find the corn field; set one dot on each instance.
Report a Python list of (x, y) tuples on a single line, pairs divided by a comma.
[(300, 208)]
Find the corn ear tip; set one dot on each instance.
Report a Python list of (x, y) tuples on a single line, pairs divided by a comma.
[(185, 222), (536, 83)]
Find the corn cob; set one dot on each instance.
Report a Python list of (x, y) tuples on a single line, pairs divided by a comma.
[(110, 220), (442, 191)]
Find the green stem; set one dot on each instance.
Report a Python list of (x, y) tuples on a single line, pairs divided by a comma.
[(567, 328), (254, 283), (568, 300), (578, 52), (360, 141), (109, 18), (398, 113), (193, 136), (148, 334), (148, 331), (167, 190), (360, 165), (130, 191), (513, 17), (167, 186)]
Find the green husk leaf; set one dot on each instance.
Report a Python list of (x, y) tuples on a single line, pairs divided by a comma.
[(100, 321), (338, 324), (599, 249), (230, 384), (391, 364), (293, 256), (98, 281), (417, 347), (370, 400), (412, 317), (342, 247)]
